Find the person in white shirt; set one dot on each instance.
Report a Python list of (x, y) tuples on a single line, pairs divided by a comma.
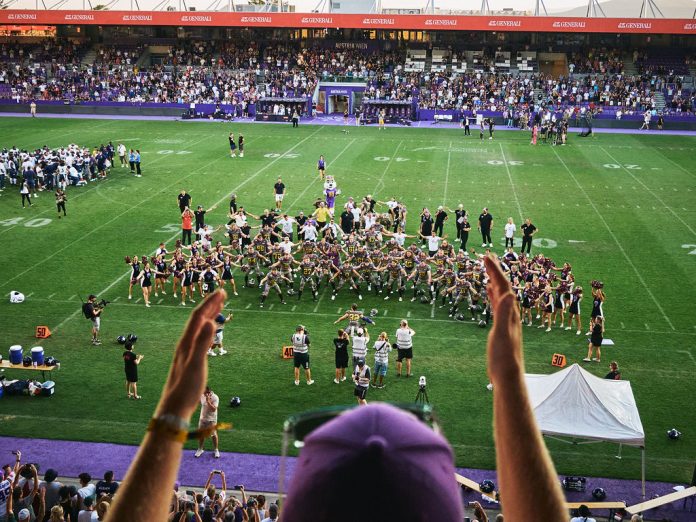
[(583, 515), (510, 230), (87, 514), (285, 223), (87, 490), (286, 245), (404, 343), (207, 421), (122, 155), (433, 243), (309, 231)]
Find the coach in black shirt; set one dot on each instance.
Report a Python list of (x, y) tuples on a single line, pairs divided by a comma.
[(528, 230), (426, 226), (184, 200), (347, 220), (300, 220), (485, 225), (459, 217), (440, 218)]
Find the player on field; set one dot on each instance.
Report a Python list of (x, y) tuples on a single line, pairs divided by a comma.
[(233, 146)]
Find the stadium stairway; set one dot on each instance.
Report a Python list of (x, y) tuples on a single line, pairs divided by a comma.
[(629, 66), (89, 57), (660, 101), (144, 60)]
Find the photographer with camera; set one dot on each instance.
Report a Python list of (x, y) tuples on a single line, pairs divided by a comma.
[(92, 311)]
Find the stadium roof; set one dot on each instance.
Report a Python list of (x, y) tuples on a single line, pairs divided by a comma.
[(612, 8)]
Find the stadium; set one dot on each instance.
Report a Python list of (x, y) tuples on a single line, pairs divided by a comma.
[(332, 221)]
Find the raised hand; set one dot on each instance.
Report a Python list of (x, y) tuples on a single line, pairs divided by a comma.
[(188, 374), (505, 339)]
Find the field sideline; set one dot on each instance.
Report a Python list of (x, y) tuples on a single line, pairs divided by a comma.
[(620, 208)]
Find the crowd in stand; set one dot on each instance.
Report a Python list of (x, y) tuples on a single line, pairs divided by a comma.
[(242, 73)]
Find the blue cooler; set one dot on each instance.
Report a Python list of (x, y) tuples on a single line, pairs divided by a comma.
[(16, 354), (37, 355)]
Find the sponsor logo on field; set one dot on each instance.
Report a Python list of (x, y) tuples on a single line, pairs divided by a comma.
[(635, 25), (379, 21), (569, 25), (689, 27), (21, 16), (440, 22), (505, 23), (317, 20), (137, 18), (196, 18), (79, 17), (256, 19)]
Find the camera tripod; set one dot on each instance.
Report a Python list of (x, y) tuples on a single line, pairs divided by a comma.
[(422, 396)]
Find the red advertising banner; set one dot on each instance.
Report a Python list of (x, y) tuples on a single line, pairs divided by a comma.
[(352, 21)]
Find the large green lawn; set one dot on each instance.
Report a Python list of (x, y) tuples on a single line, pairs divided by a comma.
[(620, 208)]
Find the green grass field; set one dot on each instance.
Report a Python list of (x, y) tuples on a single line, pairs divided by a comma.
[(620, 208)]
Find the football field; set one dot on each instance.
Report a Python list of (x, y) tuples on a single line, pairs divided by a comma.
[(618, 208)]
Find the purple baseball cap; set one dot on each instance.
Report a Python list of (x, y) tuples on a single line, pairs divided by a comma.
[(375, 461)]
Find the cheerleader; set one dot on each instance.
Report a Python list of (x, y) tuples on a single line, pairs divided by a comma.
[(226, 273), (241, 146), (598, 299), (526, 300), (208, 277), (187, 284), (162, 274), (135, 272), (145, 279), (574, 310), (546, 302), (321, 167), (596, 338), (176, 266)]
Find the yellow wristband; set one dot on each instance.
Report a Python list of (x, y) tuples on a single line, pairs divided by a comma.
[(163, 428)]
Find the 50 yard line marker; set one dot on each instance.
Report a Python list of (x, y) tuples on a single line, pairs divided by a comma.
[(247, 180), (616, 240)]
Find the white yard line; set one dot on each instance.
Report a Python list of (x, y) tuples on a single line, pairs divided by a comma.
[(381, 178), (654, 194), (616, 240), (315, 178), (447, 171), (512, 184), (247, 180)]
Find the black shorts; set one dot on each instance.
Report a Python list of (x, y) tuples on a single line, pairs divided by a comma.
[(301, 360), (596, 341), (132, 376), (404, 353), (342, 359), (360, 392)]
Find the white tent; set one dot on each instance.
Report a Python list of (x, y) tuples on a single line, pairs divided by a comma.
[(578, 407)]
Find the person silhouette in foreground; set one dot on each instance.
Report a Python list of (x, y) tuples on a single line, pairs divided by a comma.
[(376, 446)]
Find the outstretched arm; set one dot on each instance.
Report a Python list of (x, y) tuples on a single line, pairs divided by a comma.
[(144, 495), (528, 481)]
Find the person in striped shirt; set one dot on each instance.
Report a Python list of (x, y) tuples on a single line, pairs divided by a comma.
[(382, 349)]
